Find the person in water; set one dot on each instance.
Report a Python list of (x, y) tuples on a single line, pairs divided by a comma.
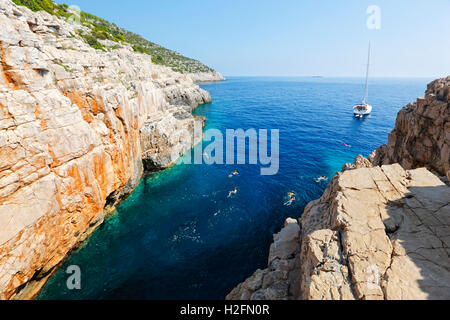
[(291, 196), (235, 173), (323, 178), (347, 145), (288, 203), (233, 193)]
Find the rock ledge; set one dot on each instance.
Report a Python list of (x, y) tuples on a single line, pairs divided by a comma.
[(376, 233)]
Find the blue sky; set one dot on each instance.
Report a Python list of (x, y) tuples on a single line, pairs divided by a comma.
[(292, 37)]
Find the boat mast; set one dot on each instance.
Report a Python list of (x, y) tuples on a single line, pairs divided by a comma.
[(366, 97)]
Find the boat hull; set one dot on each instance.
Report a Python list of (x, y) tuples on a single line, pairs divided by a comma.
[(362, 110)]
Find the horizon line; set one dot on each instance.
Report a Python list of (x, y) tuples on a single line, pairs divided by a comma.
[(319, 76)]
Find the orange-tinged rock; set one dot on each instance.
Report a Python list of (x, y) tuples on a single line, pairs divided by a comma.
[(70, 140)]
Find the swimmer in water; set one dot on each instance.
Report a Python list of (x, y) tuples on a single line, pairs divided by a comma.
[(235, 173), (323, 178), (291, 196), (347, 145), (288, 203), (232, 193)]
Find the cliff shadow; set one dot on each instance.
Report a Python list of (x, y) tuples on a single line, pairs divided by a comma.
[(418, 227)]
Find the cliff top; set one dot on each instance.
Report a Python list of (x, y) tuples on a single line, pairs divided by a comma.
[(104, 35)]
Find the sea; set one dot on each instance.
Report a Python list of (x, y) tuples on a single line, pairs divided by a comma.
[(180, 236)]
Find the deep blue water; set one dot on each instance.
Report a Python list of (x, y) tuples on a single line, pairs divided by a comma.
[(179, 236)]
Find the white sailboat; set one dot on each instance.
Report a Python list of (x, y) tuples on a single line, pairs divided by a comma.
[(365, 108)]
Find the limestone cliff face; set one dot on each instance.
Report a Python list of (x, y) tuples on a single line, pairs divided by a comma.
[(377, 232), (421, 137), (75, 126)]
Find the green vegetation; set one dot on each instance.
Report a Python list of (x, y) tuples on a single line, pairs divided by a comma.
[(65, 67), (92, 41), (45, 5), (100, 29)]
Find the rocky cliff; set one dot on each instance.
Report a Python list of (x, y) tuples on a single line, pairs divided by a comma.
[(377, 232), (421, 137), (76, 124)]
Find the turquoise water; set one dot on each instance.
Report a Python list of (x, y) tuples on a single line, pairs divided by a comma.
[(179, 236)]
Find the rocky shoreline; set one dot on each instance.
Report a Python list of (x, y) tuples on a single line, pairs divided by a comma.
[(77, 126), (381, 229)]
